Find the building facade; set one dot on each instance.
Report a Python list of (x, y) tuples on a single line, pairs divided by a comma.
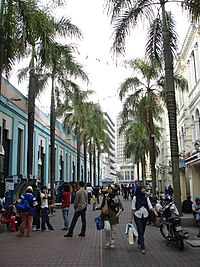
[(14, 145), (108, 161), (189, 111), (125, 166)]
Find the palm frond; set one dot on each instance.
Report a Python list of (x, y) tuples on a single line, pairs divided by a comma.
[(193, 6)]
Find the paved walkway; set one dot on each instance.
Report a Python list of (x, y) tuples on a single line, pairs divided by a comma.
[(53, 249)]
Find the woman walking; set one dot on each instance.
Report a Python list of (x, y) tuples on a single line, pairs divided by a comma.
[(112, 218), (141, 206)]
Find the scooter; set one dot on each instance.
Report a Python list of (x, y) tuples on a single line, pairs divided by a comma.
[(172, 230)]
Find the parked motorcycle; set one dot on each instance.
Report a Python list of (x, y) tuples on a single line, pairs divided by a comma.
[(172, 230)]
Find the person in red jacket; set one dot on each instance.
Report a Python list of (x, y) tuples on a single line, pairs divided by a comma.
[(66, 199)]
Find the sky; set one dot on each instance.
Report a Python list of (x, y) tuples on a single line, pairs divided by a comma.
[(105, 72)]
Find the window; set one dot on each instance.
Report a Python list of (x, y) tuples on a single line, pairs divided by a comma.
[(20, 152)]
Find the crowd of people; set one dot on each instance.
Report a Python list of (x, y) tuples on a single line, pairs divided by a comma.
[(144, 209)]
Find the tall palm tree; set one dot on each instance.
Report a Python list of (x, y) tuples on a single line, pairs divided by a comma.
[(141, 93), (72, 113), (14, 19), (127, 14), (62, 67), (137, 144)]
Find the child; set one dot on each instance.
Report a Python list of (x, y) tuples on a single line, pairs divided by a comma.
[(94, 201)]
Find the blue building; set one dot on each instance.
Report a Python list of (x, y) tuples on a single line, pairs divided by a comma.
[(13, 142)]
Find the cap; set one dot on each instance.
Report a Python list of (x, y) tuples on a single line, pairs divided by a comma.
[(167, 197), (197, 199), (29, 188)]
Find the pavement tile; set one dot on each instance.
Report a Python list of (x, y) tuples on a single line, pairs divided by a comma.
[(53, 249)]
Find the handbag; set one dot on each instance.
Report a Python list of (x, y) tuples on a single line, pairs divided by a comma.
[(105, 210), (99, 222)]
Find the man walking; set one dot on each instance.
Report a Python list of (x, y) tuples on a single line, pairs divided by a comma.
[(80, 206)]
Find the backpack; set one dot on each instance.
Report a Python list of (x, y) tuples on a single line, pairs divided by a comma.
[(22, 206)]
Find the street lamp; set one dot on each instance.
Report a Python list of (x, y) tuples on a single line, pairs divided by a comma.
[(196, 146)]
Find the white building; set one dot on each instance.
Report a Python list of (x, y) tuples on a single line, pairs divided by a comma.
[(125, 166), (189, 112), (108, 159)]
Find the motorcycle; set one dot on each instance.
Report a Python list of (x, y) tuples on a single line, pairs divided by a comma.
[(171, 229)]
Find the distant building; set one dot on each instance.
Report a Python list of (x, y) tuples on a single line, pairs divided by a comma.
[(108, 159), (125, 166)]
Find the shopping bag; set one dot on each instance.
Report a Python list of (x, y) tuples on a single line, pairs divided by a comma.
[(99, 222), (104, 210), (131, 232), (130, 236)]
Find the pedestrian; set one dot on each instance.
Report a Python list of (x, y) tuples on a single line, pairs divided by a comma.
[(141, 206), (196, 212), (80, 206), (96, 193), (89, 190), (94, 201), (169, 191), (187, 205), (65, 198), (28, 214), (44, 209), (115, 208), (37, 208)]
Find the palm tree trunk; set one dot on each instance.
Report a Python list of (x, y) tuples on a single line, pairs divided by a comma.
[(90, 159), (1, 41), (94, 165), (52, 137), (152, 163), (138, 171), (31, 114), (171, 107), (85, 158), (78, 152), (98, 167), (143, 162)]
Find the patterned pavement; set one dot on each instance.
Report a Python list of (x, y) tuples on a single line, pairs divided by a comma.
[(53, 249)]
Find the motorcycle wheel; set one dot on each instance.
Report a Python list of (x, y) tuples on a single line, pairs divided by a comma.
[(164, 231), (180, 243)]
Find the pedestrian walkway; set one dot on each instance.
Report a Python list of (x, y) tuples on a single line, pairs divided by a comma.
[(53, 249)]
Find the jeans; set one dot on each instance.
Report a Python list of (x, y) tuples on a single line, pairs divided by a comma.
[(141, 225), (65, 212), (45, 219), (36, 217), (77, 214)]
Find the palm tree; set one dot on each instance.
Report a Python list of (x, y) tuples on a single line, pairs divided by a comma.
[(14, 19), (62, 66), (141, 93), (125, 15), (72, 113), (137, 144)]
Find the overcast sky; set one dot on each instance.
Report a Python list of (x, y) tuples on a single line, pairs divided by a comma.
[(105, 73)]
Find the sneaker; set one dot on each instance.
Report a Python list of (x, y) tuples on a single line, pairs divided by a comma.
[(68, 235), (143, 251), (112, 246), (65, 229), (107, 246), (51, 229), (34, 228), (46, 230)]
